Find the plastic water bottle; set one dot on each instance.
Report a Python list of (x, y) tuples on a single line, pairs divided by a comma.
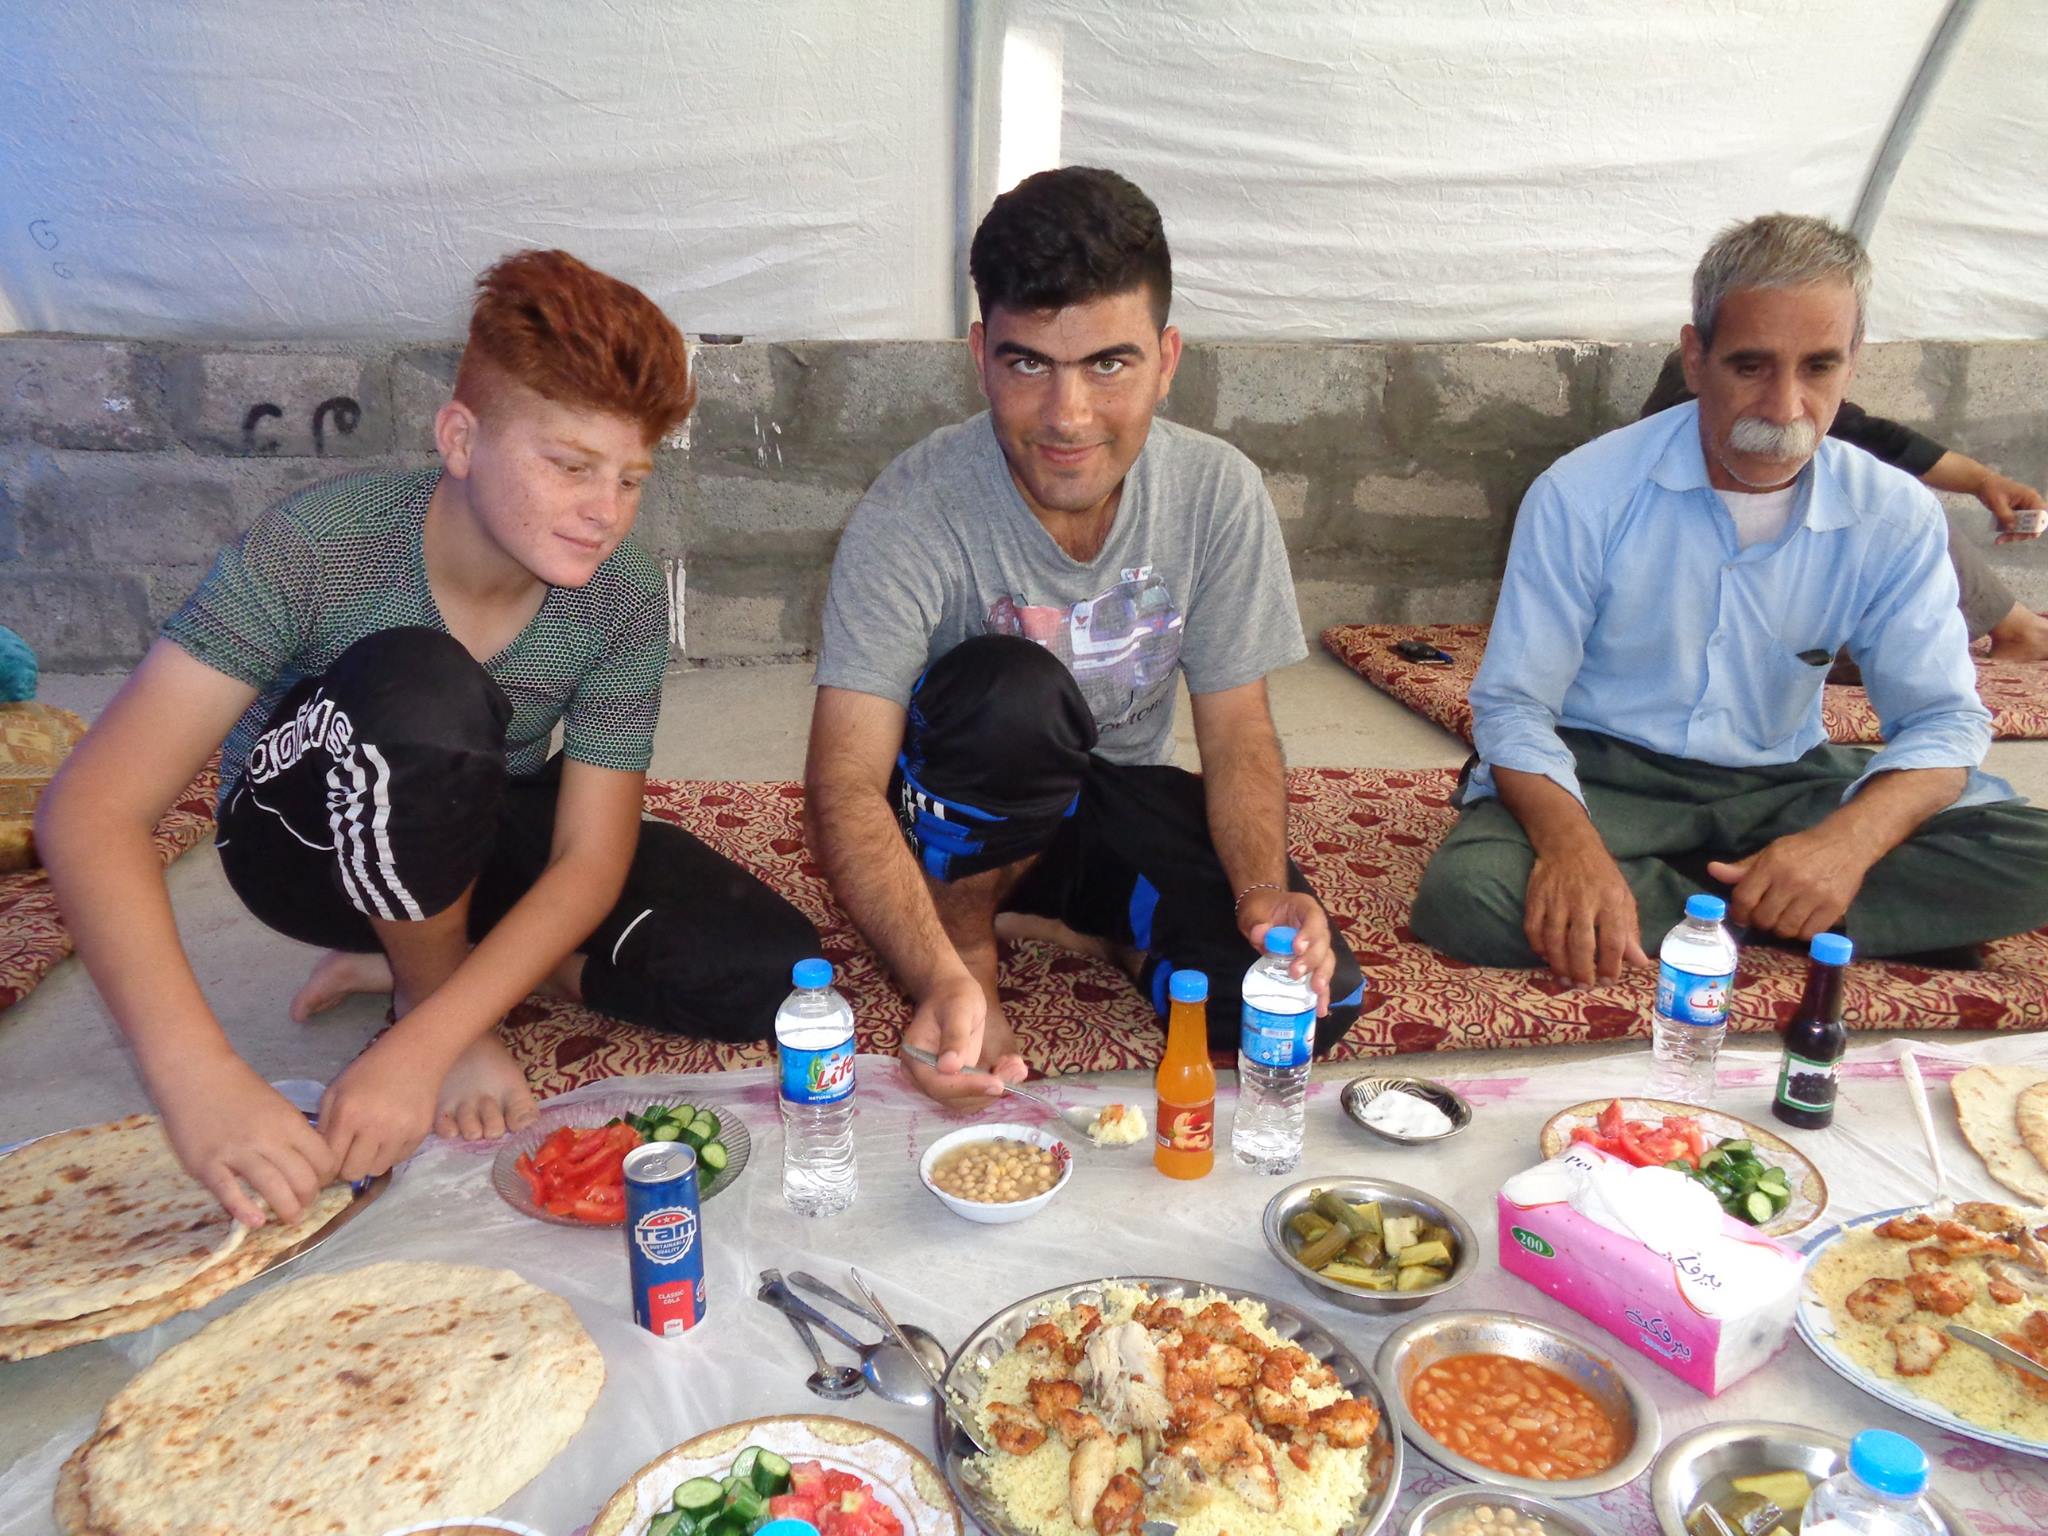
[(814, 1049), (1877, 1494), (1695, 981), (1274, 1045)]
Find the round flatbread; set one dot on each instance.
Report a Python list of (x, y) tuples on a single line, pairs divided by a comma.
[(355, 1402), (266, 1246), (1987, 1108), (2030, 1117), (102, 1217)]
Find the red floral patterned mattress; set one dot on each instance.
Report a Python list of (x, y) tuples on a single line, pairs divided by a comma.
[(1363, 836), (32, 936), (2015, 692)]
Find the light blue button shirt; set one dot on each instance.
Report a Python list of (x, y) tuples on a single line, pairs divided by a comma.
[(1629, 608)]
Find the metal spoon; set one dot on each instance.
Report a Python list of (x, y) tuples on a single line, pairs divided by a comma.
[(837, 1382), (1078, 1121), (885, 1352), (886, 1366)]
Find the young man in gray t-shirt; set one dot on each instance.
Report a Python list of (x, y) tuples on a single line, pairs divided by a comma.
[(1007, 611)]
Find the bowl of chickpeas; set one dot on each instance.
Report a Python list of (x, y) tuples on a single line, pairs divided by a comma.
[(1505, 1400), (1470, 1511), (996, 1173)]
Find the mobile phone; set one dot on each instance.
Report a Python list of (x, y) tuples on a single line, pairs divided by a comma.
[(2029, 523), (1422, 651)]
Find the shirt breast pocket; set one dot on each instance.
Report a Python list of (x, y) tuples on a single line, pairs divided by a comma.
[(1790, 693)]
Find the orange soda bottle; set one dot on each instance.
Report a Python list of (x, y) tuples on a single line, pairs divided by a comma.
[(1185, 1144)]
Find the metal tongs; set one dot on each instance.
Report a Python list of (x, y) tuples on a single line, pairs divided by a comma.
[(955, 1413)]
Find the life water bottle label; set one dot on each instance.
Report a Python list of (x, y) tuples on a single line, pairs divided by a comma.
[(1687, 998), (817, 1077), (1277, 1039)]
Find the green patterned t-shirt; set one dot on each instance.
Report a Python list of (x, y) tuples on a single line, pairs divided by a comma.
[(343, 559)]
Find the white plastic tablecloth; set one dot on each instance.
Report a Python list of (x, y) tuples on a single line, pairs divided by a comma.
[(1116, 1216)]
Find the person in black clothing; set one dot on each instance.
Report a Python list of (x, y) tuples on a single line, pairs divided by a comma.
[(1989, 607)]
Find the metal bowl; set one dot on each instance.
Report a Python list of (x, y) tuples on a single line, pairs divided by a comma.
[(1699, 1463), (1406, 1201), (1415, 1346), (1555, 1519), (978, 1354), (1361, 1091)]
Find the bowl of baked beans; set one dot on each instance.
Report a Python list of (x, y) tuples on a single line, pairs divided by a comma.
[(1505, 1400), (996, 1173)]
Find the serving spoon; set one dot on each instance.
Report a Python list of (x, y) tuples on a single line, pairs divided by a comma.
[(885, 1365), (1079, 1121), (837, 1382)]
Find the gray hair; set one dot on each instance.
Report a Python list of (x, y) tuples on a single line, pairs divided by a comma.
[(1779, 250)]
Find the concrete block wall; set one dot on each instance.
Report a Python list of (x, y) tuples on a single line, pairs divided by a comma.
[(1395, 468)]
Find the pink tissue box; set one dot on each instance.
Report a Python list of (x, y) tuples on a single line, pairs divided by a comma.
[(1634, 1293)]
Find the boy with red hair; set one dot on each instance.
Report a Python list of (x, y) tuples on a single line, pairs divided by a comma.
[(382, 660)]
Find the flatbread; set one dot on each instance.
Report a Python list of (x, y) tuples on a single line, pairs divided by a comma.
[(261, 1249), (2030, 1116), (351, 1403), (102, 1217), (1987, 1108)]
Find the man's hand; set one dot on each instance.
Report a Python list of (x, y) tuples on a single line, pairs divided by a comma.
[(1580, 915), (2006, 497), (975, 1052), (380, 1109), (1799, 885), (1313, 957), (235, 1133)]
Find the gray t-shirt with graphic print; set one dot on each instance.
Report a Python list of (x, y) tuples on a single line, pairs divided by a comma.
[(1193, 577)]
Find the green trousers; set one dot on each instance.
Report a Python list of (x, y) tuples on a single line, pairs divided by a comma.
[(1964, 877)]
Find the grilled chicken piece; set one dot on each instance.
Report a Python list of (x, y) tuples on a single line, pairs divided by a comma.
[(1928, 1256), (1088, 1475), (1121, 1507), (1879, 1301), (1940, 1292), (1346, 1423), (1916, 1228), (1917, 1347), (1050, 1397), (1012, 1429)]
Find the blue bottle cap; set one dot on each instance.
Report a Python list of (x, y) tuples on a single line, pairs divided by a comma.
[(1708, 909), (1279, 941), (811, 974), (1188, 987), (1831, 949), (1889, 1463), (786, 1525)]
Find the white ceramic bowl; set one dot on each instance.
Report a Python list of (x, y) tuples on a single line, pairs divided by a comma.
[(990, 1213)]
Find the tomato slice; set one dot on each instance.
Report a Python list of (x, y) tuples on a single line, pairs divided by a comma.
[(534, 1183), (1687, 1130), (1610, 1121), (601, 1204), (555, 1147)]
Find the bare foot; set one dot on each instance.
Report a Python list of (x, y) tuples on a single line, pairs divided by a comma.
[(1012, 926), (339, 974), (484, 1094), (2022, 635)]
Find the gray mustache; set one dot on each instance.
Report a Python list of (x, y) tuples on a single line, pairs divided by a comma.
[(1752, 434)]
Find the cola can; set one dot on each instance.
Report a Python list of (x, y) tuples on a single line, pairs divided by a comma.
[(664, 1238)]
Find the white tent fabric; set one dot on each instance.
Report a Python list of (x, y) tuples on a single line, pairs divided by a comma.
[(1412, 169), (249, 168)]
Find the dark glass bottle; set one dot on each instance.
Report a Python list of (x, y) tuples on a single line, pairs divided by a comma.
[(1815, 1039)]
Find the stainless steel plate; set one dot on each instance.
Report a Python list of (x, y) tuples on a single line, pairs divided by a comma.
[(971, 1363), (1699, 1463), (1556, 1519), (1361, 1091)]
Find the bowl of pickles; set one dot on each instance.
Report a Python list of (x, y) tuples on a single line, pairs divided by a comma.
[(1369, 1245)]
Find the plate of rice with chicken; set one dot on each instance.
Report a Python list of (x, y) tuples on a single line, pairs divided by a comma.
[(1110, 1403), (1880, 1292)]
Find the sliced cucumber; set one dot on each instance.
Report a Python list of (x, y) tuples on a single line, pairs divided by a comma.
[(771, 1475), (699, 1498), (706, 1122), (672, 1522), (1732, 1147), (712, 1157), (1758, 1206), (742, 1468), (743, 1502), (668, 1130)]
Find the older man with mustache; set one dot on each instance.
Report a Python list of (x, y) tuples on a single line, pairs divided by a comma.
[(1648, 715)]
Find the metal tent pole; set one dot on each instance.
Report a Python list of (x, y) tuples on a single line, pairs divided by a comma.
[(1906, 120)]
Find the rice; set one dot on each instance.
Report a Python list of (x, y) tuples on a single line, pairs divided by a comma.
[(1965, 1380), (1032, 1489)]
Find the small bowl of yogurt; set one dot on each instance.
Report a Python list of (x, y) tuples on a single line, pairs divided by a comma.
[(1408, 1111)]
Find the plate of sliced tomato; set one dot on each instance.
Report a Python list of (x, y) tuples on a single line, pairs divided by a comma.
[(568, 1167), (1657, 1132)]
